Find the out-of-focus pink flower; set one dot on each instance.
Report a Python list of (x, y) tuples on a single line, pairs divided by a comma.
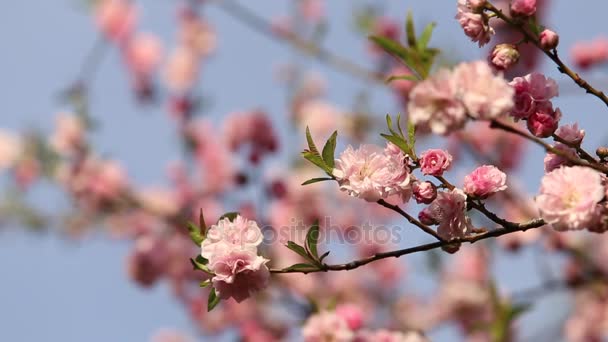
[(181, 70), (424, 192), (383, 335), (474, 22), (11, 148), (196, 35), (143, 54), (525, 8), (504, 56), (231, 248), (162, 202), (384, 27), (548, 39), (148, 260), (320, 116), (166, 335), (530, 91), (448, 209), (588, 54), (435, 162), (371, 173), (544, 121), (312, 10), (571, 133), (401, 87), (568, 197), (116, 18), (553, 161), (352, 314), (327, 326), (485, 95), (434, 103), (69, 135), (254, 128), (485, 181)]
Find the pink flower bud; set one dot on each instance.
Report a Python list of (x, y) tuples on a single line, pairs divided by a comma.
[(485, 181), (504, 56), (571, 133), (424, 192), (548, 39), (544, 122), (476, 5), (525, 8), (434, 162), (352, 314), (427, 218)]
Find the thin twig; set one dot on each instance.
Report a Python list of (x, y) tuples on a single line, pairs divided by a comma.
[(411, 219)]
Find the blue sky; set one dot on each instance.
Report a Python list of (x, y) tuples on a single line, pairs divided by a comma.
[(61, 290)]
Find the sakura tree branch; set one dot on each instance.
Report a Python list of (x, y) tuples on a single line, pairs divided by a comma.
[(576, 161), (581, 152), (297, 42), (552, 54), (510, 228), (410, 219)]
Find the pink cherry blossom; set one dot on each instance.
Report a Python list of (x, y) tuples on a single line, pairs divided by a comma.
[(571, 133), (524, 8), (548, 39), (448, 209), (544, 121), (352, 314), (148, 260), (196, 35), (116, 18), (69, 135), (588, 54), (553, 161), (239, 273), (568, 197), (11, 148), (485, 95), (327, 326), (239, 233), (424, 192), (504, 56), (383, 335), (167, 335), (485, 181), (531, 90), (143, 54), (435, 162), (182, 70), (474, 22), (371, 173), (434, 103)]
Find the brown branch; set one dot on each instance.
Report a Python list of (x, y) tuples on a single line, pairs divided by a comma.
[(552, 54), (306, 46), (581, 152), (411, 219)]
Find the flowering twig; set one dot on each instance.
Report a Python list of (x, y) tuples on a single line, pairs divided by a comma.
[(410, 219), (581, 152), (576, 161), (552, 54), (306, 46), (510, 228)]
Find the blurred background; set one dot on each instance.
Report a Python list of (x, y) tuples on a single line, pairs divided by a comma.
[(75, 287)]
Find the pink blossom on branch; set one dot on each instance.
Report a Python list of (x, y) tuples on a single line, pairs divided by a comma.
[(571, 133), (116, 18), (568, 197), (524, 8), (424, 192), (485, 181), (544, 121), (435, 162), (504, 56), (530, 91), (548, 39), (449, 211), (474, 22)]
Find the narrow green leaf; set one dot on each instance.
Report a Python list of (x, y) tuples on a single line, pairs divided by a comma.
[(407, 56), (212, 301), (402, 144), (411, 137), (316, 180), (301, 267), (389, 124), (311, 144), (410, 30), (202, 224), (301, 251), (205, 283), (312, 239), (195, 233), (399, 125), (401, 77), (200, 266), (317, 160), (323, 256), (330, 149), (425, 37), (230, 216)]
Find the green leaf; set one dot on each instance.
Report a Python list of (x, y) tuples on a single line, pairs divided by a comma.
[(230, 216), (212, 301), (317, 160), (198, 265), (425, 37), (312, 239), (301, 251), (316, 180), (389, 124), (301, 267), (330, 149), (400, 142), (195, 233), (399, 125), (323, 256), (205, 283), (401, 77), (411, 137), (201, 223), (409, 57), (409, 29), (311, 144)]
